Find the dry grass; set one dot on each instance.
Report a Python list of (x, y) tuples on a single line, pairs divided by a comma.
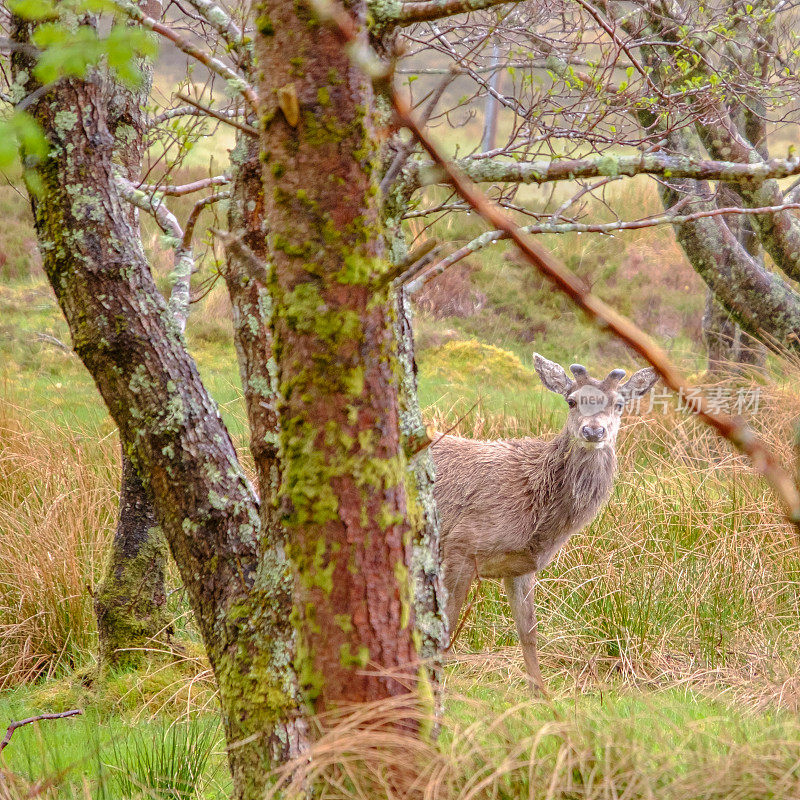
[(57, 510)]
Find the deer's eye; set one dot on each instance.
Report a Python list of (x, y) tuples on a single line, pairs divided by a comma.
[(571, 403), (619, 405)]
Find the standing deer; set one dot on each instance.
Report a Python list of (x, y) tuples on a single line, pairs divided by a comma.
[(507, 506)]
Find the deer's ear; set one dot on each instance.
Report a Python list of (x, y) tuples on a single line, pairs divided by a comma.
[(553, 375), (639, 383)]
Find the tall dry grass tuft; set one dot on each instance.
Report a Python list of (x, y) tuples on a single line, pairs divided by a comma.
[(690, 575), (58, 497)]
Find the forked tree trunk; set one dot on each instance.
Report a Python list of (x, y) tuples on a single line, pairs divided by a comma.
[(131, 601)]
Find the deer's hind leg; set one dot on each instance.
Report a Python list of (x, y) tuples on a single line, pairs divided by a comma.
[(520, 596)]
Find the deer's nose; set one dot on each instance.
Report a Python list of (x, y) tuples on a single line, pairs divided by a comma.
[(592, 434)]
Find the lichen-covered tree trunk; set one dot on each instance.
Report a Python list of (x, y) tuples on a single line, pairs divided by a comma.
[(170, 428), (344, 479), (728, 347), (130, 603), (273, 597), (428, 588)]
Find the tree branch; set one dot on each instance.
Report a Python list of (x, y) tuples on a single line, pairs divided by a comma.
[(219, 19), (212, 112), (180, 295), (393, 14), (212, 63), (186, 188), (14, 725), (199, 206), (664, 165)]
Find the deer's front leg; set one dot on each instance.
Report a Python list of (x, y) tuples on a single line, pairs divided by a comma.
[(458, 576), (520, 596)]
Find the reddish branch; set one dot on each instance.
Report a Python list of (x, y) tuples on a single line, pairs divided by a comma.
[(14, 725), (734, 429), (188, 231)]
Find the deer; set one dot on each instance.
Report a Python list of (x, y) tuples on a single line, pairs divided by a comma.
[(507, 506)]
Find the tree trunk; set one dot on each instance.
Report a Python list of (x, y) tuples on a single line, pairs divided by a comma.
[(131, 602), (171, 430), (726, 343), (130, 605), (344, 493)]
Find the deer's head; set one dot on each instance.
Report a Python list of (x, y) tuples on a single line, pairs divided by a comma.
[(595, 406)]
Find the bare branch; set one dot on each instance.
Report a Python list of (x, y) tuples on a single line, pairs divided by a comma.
[(152, 204), (194, 110), (221, 21), (191, 221), (14, 725), (212, 63), (212, 112), (186, 188), (180, 296), (407, 13), (661, 164)]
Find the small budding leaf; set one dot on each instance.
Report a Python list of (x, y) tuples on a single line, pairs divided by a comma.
[(289, 104)]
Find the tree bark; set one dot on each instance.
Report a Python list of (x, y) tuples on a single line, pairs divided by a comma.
[(130, 603), (727, 345), (171, 430), (343, 472)]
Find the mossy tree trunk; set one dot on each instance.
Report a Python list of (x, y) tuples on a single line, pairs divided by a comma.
[(344, 483), (130, 604), (235, 573)]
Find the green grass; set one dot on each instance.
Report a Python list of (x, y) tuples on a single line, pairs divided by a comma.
[(115, 755)]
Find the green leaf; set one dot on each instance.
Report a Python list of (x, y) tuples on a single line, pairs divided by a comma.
[(20, 132), (33, 9)]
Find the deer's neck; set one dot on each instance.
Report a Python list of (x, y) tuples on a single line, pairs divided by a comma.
[(583, 475)]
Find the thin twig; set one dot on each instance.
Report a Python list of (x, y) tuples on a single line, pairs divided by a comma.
[(213, 64), (191, 221), (248, 129), (14, 725)]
